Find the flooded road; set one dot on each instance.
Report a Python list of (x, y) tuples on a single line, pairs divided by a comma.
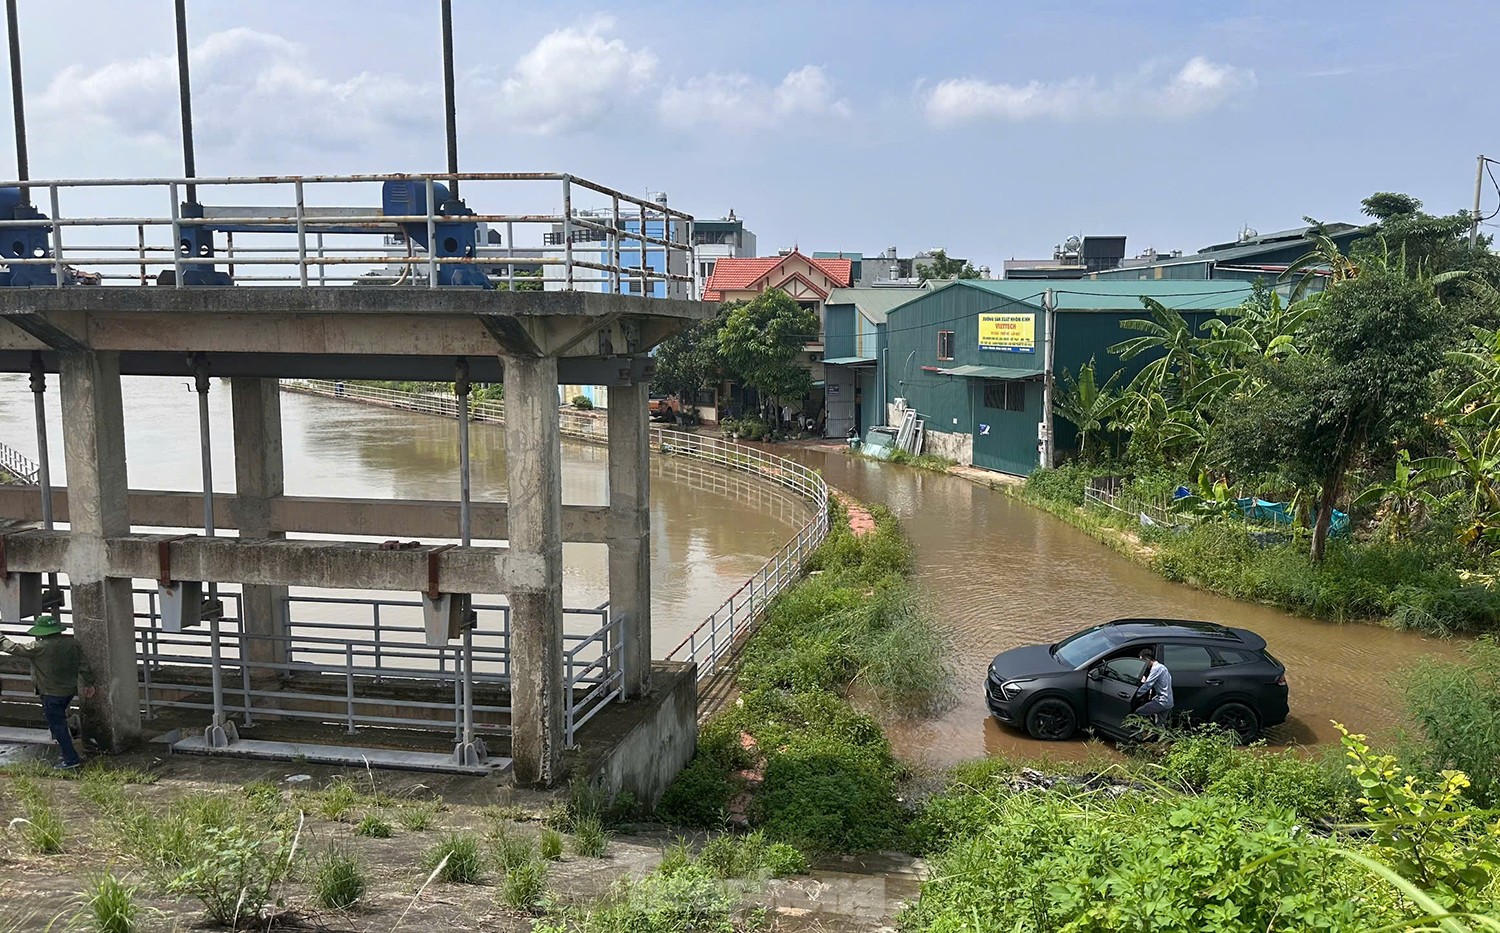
[(710, 529), (998, 573)]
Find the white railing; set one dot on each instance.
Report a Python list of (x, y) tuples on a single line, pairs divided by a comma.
[(17, 464), (562, 232), (718, 637)]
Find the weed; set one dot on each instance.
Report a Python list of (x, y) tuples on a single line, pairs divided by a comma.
[(781, 860), (336, 800), (110, 906), (524, 885), (456, 859), (512, 850), (675, 857), (690, 898), (551, 845), (107, 795), (374, 826), (41, 827), (338, 880), (418, 815), (589, 838), (262, 794), (721, 857), (509, 813), (233, 868)]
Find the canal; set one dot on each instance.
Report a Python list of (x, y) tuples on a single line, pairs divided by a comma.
[(998, 573), (711, 529)]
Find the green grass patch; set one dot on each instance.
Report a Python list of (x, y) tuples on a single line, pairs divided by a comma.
[(338, 880), (109, 906), (457, 859)]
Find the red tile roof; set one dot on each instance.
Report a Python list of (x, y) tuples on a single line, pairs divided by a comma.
[(733, 274)]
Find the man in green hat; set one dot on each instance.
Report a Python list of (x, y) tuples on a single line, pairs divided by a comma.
[(58, 666)]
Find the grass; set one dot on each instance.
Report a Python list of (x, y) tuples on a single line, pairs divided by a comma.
[(110, 906), (338, 880), (336, 801), (373, 826), (42, 830), (456, 859), (512, 849), (1419, 582), (550, 845), (589, 837), (418, 815), (525, 885)]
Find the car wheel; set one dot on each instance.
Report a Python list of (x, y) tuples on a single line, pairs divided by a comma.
[(1051, 719), (1239, 719)]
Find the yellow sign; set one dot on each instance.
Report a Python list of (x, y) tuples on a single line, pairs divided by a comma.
[(1010, 333)]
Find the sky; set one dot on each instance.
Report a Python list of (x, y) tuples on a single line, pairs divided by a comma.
[(994, 130)]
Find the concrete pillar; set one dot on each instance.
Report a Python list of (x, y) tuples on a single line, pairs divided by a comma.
[(533, 467), (630, 529), (259, 478), (103, 614)]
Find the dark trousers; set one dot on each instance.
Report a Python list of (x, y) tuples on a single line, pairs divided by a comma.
[(55, 709)]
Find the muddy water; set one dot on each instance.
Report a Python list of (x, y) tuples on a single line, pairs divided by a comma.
[(710, 529), (998, 573)]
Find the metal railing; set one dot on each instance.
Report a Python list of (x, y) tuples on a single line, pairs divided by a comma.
[(17, 464), (716, 638), (571, 234), (343, 670)]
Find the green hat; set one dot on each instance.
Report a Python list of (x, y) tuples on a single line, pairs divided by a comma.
[(45, 625)]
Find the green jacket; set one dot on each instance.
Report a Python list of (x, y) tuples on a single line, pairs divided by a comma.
[(58, 665)]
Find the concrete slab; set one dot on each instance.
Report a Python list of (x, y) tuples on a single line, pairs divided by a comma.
[(22, 745), (386, 758)]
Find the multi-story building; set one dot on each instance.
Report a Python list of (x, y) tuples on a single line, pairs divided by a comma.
[(1074, 258), (888, 267)]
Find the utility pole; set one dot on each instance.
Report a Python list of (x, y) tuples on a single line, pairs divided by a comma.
[(1049, 309), (1478, 189)]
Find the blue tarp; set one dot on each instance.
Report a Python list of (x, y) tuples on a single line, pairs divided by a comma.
[(1275, 513)]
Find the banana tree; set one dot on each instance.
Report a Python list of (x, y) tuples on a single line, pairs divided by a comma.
[(1476, 464), (1403, 495), (1087, 405)]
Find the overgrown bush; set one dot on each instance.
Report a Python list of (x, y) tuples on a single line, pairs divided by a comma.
[(1457, 706), (232, 869), (583, 402), (1063, 484)]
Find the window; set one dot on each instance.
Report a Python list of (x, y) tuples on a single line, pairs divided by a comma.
[(1186, 658), (1005, 395), (1224, 657), (945, 344)]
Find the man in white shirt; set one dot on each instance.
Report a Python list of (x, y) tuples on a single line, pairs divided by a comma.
[(1155, 688)]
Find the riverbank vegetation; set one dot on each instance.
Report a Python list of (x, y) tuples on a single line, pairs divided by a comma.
[(793, 756), (1337, 453)]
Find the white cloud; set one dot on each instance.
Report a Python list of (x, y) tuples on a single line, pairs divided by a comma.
[(252, 91), (1198, 86), (571, 79), (740, 103)]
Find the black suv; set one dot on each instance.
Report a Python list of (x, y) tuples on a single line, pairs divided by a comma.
[(1220, 675)]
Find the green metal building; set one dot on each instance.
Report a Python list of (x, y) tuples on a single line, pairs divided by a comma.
[(971, 357)]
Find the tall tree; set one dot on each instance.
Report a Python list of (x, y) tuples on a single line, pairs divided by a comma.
[(942, 268), (1364, 383), (689, 361), (760, 340)]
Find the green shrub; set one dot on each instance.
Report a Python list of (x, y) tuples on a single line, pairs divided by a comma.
[(582, 402), (338, 880), (1048, 861), (824, 794), (232, 869), (374, 826), (781, 860), (1310, 788), (700, 794), (721, 857), (550, 846), (589, 838), (524, 885), (675, 857), (1457, 706), (1063, 485), (457, 859), (110, 906)]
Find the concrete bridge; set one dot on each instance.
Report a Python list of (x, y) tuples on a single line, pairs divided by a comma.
[(531, 341)]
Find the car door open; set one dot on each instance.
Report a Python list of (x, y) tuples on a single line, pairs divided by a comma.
[(1112, 685)]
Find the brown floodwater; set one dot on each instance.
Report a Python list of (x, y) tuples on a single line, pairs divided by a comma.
[(710, 529), (998, 573)]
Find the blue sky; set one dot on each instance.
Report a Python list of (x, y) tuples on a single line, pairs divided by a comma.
[(992, 129)]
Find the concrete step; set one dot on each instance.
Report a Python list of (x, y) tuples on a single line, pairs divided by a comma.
[(350, 755)]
